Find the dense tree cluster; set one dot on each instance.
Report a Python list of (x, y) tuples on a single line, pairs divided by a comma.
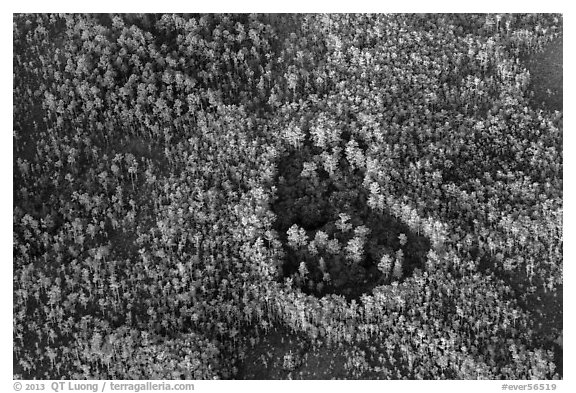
[(382, 185)]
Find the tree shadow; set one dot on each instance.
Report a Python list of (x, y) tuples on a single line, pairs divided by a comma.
[(315, 204)]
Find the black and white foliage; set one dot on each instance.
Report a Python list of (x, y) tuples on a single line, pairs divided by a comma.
[(189, 188)]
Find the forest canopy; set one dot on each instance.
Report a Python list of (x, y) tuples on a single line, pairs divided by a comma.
[(262, 196)]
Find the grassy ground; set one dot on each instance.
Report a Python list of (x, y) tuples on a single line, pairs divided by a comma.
[(281, 354), (546, 76), (284, 355)]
